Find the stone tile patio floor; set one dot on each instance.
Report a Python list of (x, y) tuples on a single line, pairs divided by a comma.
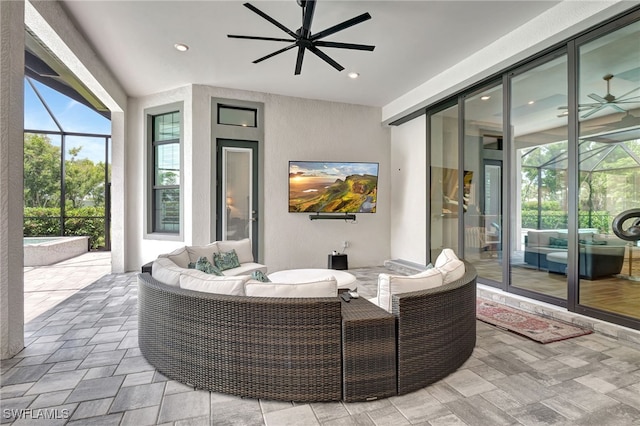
[(81, 365)]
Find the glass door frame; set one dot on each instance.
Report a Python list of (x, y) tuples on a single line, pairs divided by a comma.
[(574, 195), (222, 145)]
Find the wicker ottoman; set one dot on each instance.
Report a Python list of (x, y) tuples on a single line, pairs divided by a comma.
[(368, 351)]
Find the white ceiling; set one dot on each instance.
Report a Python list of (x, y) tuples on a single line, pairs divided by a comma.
[(415, 40)]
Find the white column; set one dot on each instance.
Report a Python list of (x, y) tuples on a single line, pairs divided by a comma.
[(118, 203), (11, 179)]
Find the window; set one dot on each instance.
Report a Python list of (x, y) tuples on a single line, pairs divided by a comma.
[(237, 116), (165, 140)]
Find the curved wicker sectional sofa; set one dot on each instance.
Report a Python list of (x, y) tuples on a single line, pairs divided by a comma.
[(290, 348)]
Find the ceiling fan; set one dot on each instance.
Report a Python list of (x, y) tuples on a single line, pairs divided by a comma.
[(304, 39), (607, 100)]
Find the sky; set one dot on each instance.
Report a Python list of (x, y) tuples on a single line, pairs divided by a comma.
[(72, 116)]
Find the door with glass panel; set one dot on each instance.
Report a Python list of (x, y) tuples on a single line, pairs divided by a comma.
[(609, 169), (236, 194), (539, 203)]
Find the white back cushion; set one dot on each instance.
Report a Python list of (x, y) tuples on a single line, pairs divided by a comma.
[(445, 256), (397, 284), (324, 288), (452, 270), (196, 252), (450, 266), (164, 270), (199, 281), (242, 248), (179, 256)]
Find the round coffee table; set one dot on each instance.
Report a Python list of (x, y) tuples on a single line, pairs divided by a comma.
[(345, 280)]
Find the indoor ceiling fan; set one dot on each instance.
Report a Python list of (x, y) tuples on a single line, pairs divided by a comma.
[(607, 100), (304, 39)]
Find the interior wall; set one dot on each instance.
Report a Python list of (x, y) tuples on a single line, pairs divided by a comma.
[(408, 191), (294, 129)]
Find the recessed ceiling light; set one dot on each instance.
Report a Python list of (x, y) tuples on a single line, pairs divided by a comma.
[(353, 75), (532, 102), (485, 97), (181, 47)]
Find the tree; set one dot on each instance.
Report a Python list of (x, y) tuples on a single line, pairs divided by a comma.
[(41, 171), (84, 180)]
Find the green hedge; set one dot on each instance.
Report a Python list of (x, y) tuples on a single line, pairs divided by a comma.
[(560, 219), (83, 221)]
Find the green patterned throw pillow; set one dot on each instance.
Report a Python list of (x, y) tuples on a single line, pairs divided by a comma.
[(205, 266), (226, 260), (260, 276)]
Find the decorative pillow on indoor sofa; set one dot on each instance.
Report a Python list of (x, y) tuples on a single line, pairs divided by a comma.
[(242, 248), (395, 284), (324, 288), (200, 281), (205, 266), (260, 276), (226, 260), (450, 266)]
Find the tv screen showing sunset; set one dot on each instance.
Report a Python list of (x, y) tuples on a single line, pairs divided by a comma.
[(332, 187)]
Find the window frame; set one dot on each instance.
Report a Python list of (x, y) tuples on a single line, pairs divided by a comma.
[(153, 230)]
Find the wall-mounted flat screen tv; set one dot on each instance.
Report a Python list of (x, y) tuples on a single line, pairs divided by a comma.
[(333, 187)]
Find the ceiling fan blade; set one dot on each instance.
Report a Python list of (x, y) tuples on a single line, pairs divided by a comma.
[(593, 111), (299, 60), (622, 97), (617, 108), (326, 58), (309, 9), (598, 98), (344, 45), (342, 26), (270, 19), (260, 38), (631, 100), (277, 52)]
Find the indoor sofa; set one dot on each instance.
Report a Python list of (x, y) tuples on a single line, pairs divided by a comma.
[(600, 255)]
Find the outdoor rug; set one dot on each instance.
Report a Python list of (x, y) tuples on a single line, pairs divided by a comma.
[(535, 327)]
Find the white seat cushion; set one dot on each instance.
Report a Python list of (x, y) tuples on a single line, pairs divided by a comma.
[(324, 288), (245, 269), (164, 270), (200, 281), (242, 248), (397, 284)]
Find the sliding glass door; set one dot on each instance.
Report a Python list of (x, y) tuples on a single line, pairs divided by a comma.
[(483, 172), (609, 170)]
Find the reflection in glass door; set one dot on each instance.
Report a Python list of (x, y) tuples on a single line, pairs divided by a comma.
[(237, 204), (539, 237), (483, 150), (444, 180), (609, 167)]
